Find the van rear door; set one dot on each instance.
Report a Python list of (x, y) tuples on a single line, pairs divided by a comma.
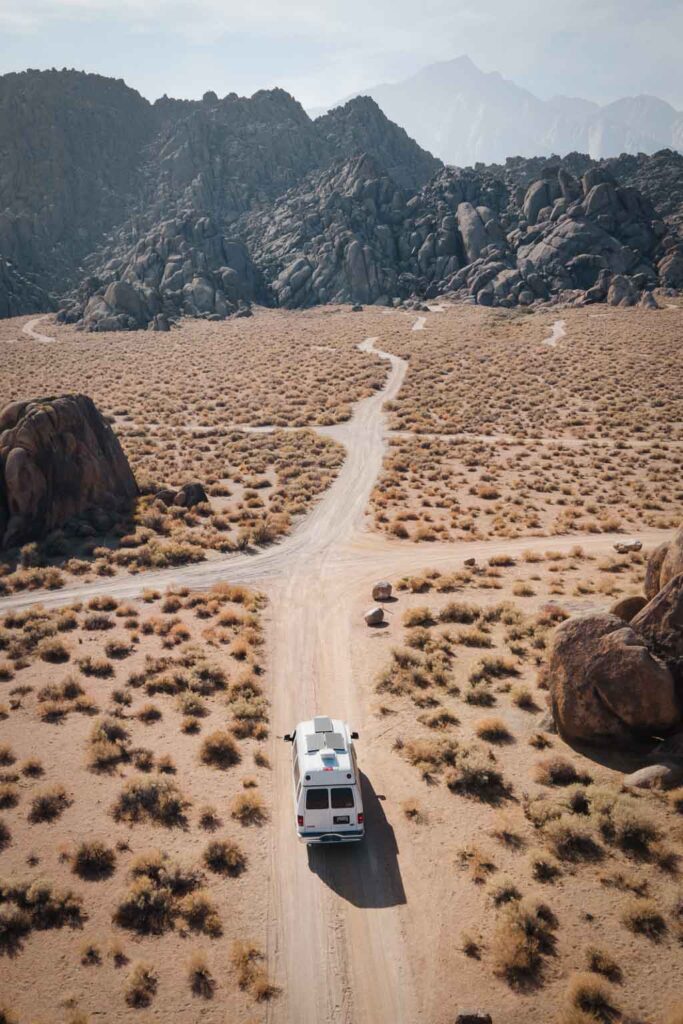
[(342, 808), (317, 809)]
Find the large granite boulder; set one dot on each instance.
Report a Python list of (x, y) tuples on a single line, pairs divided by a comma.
[(59, 458), (606, 685), (665, 562)]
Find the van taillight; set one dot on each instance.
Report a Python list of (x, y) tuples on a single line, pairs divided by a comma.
[(360, 818), (300, 819)]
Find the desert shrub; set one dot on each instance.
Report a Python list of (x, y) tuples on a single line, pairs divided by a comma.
[(592, 997), (494, 730), (34, 905), (6, 755), (118, 647), (642, 917), (219, 750), (53, 650), (523, 937), (159, 887), (248, 808), (49, 804), (599, 961), (191, 704), (225, 857), (142, 985), (100, 668), (626, 826), (476, 776), (5, 835), (523, 698), (158, 800), (9, 795), (504, 890), (200, 978), (418, 616), (458, 611), (208, 818), (556, 770), (543, 867), (148, 714), (247, 960), (572, 840), (109, 744), (93, 859), (91, 955), (98, 621), (493, 667), (200, 914)]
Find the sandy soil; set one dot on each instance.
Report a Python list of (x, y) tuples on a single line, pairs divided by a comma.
[(367, 934)]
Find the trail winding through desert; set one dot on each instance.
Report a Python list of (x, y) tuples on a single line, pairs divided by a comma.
[(339, 922)]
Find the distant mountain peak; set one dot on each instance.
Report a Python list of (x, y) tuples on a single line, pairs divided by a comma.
[(465, 116)]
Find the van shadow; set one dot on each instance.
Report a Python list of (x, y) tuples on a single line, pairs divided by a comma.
[(365, 874)]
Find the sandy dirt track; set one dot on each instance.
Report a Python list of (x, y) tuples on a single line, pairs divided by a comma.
[(339, 931)]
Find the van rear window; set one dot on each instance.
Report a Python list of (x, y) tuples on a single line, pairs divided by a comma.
[(342, 796), (317, 800)]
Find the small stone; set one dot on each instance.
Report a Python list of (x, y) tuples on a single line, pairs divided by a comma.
[(470, 562), (381, 591)]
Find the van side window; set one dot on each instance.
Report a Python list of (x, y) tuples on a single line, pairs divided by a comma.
[(317, 800), (342, 796)]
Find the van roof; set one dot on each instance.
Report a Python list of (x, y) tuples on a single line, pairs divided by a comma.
[(324, 750)]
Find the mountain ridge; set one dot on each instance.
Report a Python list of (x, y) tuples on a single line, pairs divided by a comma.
[(467, 116)]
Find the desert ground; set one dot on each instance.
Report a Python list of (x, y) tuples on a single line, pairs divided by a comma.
[(149, 864)]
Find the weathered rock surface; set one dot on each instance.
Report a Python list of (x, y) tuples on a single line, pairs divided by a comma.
[(665, 562), (627, 607), (660, 622), (606, 685), (59, 458)]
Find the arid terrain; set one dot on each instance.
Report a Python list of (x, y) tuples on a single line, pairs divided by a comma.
[(149, 867)]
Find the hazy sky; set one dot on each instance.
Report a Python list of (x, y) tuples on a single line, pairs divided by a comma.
[(321, 51)]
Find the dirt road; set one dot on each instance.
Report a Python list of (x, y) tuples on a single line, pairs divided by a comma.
[(339, 931)]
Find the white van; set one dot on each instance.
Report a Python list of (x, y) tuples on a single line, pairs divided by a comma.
[(327, 797)]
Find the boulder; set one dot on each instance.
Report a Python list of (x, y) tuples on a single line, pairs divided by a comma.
[(374, 616), (190, 495), (606, 685), (655, 776), (660, 622), (665, 562), (59, 458), (653, 570), (627, 607), (672, 563), (381, 591), (624, 546)]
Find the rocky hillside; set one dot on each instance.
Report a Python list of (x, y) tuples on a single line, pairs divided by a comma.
[(218, 203), (352, 234)]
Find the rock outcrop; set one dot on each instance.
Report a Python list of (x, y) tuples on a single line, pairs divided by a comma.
[(59, 459), (620, 675), (197, 208), (665, 562), (606, 685)]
